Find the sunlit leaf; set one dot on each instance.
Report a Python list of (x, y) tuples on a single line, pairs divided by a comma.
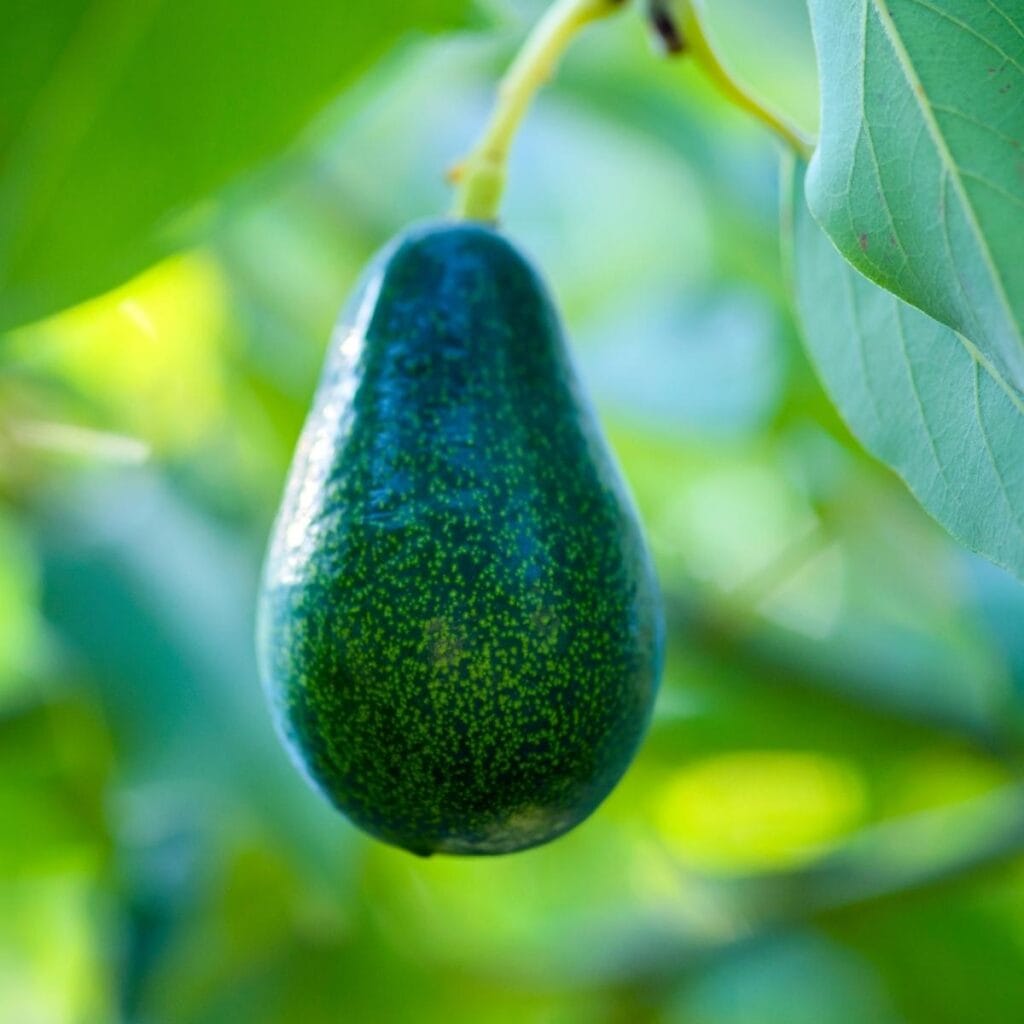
[(759, 809), (52, 967), (20, 628), (147, 354)]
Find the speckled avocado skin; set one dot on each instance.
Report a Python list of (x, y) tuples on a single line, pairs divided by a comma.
[(459, 630)]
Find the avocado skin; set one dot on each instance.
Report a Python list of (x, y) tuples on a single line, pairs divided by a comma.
[(459, 630)]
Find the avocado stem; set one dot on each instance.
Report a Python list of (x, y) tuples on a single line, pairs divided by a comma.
[(480, 176), (679, 23)]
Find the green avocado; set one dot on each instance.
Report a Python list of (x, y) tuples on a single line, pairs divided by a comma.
[(459, 632)]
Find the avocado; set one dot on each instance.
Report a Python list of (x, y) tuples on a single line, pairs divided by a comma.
[(460, 632)]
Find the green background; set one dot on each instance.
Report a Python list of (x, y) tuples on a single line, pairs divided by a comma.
[(824, 824)]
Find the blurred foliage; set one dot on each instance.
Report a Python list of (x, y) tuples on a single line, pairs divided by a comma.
[(109, 135), (825, 824)]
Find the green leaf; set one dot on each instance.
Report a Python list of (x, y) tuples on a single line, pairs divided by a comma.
[(120, 115), (918, 176), (918, 395)]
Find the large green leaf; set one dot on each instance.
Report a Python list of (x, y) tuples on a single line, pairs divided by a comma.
[(118, 115), (918, 395), (917, 178)]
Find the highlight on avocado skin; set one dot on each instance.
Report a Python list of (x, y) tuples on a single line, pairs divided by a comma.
[(459, 630)]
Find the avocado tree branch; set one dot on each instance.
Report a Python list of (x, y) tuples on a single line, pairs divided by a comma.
[(892, 858), (878, 867), (790, 662), (480, 177), (678, 24)]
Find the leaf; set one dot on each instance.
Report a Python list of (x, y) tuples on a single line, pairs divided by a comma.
[(919, 175), (120, 115), (918, 395)]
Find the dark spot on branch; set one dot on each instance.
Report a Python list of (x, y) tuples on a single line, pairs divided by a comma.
[(665, 28)]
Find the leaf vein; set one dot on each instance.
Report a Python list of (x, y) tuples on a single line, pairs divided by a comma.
[(859, 334), (916, 391), (1009, 21), (1008, 389), (970, 30), (947, 241), (945, 156), (979, 415), (942, 108), (998, 189)]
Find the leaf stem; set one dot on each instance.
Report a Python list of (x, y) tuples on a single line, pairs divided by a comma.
[(480, 176), (679, 23)]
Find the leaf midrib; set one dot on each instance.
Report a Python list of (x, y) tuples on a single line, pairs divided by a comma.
[(945, 156)]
